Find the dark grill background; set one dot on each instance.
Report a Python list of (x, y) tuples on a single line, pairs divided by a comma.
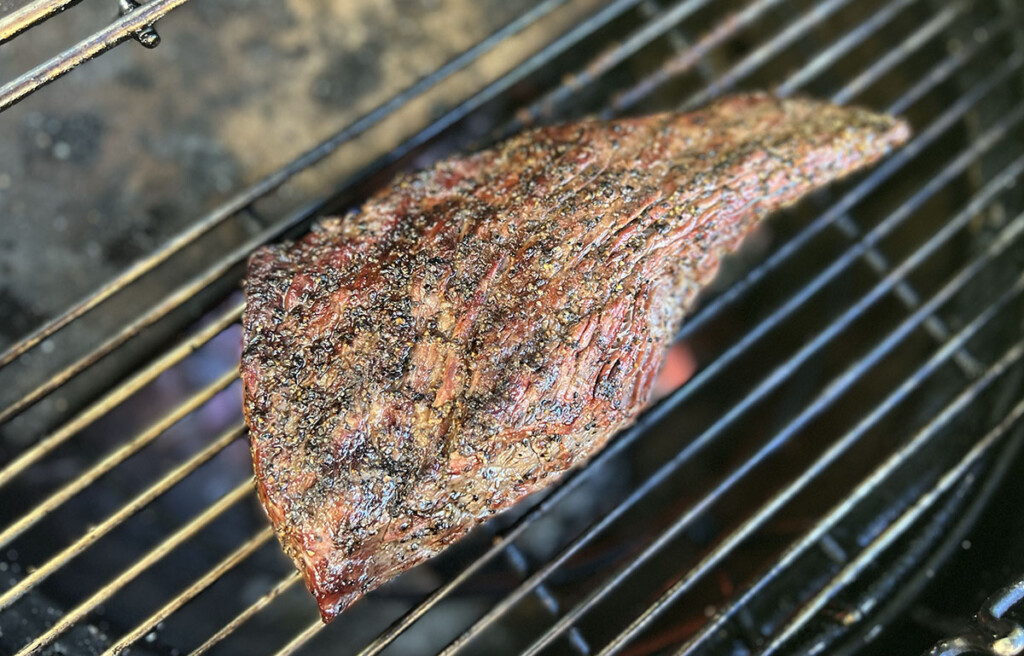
[(855, 406)]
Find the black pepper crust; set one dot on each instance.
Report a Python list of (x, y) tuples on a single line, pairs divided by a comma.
[(481, 327)]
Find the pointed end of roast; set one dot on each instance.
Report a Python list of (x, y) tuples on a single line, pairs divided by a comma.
[(899, 133), (333, 595), (881, 132), (874, 133)]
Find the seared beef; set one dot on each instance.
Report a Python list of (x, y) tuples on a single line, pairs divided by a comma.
[(479, 328)]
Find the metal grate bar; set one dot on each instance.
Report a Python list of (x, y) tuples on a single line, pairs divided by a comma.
[(200, 584), (157, 312), (551, 604), (29, 15), (271, 182), (95, 533), (910, 298), (240, 619), (680, 63), (681, 42), (875, 259), (684, 61), (996, 616), (301, 639), (922, 35), (763, 53), (820, 531), (779, 374), (572, 480), (950, 65), (100, 408), (183, 534), (154, 314), (923, 504), (116, 457), (601, 64), (935, 326), (819, 534), (127, 26), (676, 36), (823, 60), (844, 443), (876, 177)]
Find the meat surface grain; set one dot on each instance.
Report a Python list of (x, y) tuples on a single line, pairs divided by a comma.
[(479, 328)]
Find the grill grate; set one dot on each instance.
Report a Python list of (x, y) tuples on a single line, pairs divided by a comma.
[(135, 22), (844, 377)]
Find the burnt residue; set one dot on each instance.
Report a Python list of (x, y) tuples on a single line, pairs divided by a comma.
[(124, 247), (208, 168), (350, 74), (19, 315), (266, 12), (137, 78), (74, 139), (479, 328), (362, 61)]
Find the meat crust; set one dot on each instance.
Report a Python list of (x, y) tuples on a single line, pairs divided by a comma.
[(477, 329)]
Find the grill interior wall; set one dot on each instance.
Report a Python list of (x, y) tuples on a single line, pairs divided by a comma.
[(696, 412)]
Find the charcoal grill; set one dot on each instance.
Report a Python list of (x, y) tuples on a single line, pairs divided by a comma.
[(857, 399)]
